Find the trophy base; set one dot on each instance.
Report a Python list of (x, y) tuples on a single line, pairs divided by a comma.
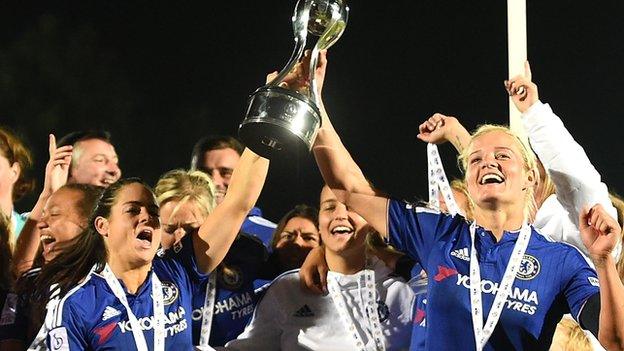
[(279, 121)]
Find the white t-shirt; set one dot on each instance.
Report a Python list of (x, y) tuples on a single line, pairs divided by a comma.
[(291, 318)]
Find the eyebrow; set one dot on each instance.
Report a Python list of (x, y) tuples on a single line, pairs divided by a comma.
[(139, 203), (495, 148), (105, 155)]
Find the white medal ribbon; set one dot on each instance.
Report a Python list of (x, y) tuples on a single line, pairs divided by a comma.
[(438, 182), (208, 310), (482, 334), (159, 310), (368, 292)]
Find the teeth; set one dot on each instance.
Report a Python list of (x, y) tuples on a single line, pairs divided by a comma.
[(46, 238), (491, 177), (341, 229), (145, 234)]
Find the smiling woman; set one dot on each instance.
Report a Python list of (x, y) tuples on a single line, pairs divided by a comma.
[(113, 290), (120, 246), (367, 307), (524, 292), (493, 160), (65, 217)]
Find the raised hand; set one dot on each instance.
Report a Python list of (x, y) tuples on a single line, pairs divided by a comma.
[(298, 78), (57, 168), (600, 232), (522, 90), (313, 272), (440, 128)]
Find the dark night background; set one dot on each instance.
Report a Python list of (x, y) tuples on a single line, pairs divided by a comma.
[(159, 75)]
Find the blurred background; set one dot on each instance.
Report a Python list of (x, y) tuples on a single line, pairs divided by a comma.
[(159, 75)]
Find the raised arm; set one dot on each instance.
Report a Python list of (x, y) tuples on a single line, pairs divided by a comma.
[(440, 128), (338, 168), (577, 182), (56, 173), (219, 230), (600, 233)]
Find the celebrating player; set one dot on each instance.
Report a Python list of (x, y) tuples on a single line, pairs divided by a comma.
[(366, 309), (186, 199), (523, 292), (129, 297)]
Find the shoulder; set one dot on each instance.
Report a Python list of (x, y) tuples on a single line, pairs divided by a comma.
[(286, 280), (168, 268), (80, 301), (255, 219), (27, 279), (31, 273), (421, 213), (285, 283), (86, 291), (567, 252)]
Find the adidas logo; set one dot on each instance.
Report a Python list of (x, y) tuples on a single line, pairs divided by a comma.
[(462, 254), (109, 313), (304, 311)]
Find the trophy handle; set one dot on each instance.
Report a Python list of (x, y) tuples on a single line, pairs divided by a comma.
[(300, 27), (330, 36)]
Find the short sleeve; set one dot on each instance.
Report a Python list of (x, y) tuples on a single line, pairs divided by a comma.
[(69, 335), (413, 230), (581, 284)]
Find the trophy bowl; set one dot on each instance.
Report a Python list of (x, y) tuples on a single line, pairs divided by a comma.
[(278, 120)]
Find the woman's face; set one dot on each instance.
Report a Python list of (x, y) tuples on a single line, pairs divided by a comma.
[(132, 230), (495, 173), (300, 231), (341, 229), (62, 221), (179, 220), (298, 237)]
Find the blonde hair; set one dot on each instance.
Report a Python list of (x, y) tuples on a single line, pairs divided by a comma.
[(570, 337), (545, 188), (530, 163), (459, 185), (180, 185)]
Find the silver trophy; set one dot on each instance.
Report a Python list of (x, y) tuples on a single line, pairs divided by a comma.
[(279, 119)]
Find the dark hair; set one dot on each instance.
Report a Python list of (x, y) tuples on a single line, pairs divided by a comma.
[(6, 278), (82, 253), (14, 150), (304, 211), (74, 137), (214, 142), (36, 290)]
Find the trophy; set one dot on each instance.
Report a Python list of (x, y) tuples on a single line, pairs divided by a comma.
[(279, 119)]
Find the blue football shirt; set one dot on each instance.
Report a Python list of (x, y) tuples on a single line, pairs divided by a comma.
[(90, 316), (259, 227), (554, 279), (236, 295)]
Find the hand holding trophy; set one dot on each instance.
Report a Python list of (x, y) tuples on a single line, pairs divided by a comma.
[(279, 119)]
